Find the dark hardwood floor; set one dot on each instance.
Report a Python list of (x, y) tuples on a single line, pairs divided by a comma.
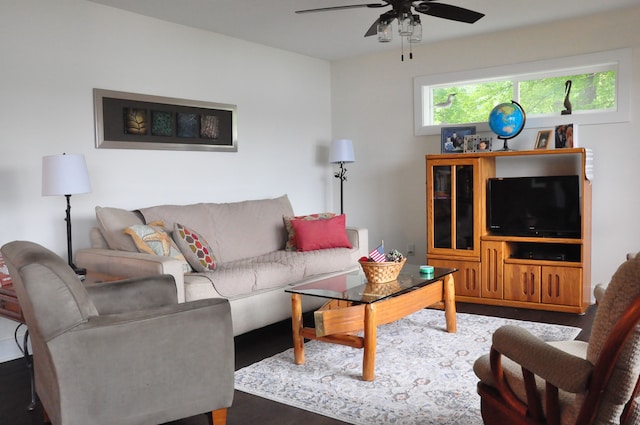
[(252, 347)]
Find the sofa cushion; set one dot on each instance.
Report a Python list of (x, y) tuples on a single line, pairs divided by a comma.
[(194, 248), (242, 277), (274, 270), (291, 233), (326, 261), (312, 235), (249, 228), (235, 230), (112, 222)]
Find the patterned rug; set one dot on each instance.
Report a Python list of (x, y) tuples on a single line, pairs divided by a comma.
[(424, 375)]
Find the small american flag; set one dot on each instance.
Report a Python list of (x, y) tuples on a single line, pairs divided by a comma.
[(377, 254)]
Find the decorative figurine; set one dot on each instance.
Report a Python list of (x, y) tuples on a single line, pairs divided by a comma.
[(567, 102)]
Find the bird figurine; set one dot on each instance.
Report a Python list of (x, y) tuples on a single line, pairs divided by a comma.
[(567, 102), (446, 104)]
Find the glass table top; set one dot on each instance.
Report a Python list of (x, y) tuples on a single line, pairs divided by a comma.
[(354, 286)]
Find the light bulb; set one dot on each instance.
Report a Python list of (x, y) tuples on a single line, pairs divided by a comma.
[(416, 35), (385, 32), (405, 24)]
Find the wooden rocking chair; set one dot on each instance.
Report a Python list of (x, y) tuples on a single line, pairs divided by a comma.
[(525, 380)]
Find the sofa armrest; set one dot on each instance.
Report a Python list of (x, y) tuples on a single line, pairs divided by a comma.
[(131, 264), (138, 293), (359, 239)]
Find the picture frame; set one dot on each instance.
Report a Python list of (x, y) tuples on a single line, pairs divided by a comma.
[(470, 141), (565, 136), (452, 138), (138, 121), (543, 141), (483, 144)]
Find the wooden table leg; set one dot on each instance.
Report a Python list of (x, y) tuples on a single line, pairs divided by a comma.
[(450, 303), (370, 336), (219, 417), (296, 325)]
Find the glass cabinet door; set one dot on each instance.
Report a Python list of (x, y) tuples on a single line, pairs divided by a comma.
[(453, 207), (464, 207), (442, 212)]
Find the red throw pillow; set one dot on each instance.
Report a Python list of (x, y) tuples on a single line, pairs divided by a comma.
[(291, 240), (321, 234)]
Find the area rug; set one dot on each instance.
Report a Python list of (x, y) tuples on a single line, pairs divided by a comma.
[(424, 375)]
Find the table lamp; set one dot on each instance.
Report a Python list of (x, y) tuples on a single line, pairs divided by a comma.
[(66, 175), (341, 152)]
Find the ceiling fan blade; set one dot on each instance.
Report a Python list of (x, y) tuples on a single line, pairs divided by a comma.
[(447, 11), (373, 29), (349, 6)]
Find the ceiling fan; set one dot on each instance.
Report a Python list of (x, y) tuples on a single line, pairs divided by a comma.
[(402, 8), (408, 21)]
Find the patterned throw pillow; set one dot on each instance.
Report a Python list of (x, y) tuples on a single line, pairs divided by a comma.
[(195, 248), (152, 239), (291, 241)]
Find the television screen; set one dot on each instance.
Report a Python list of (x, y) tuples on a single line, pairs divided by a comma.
[(547, 206)]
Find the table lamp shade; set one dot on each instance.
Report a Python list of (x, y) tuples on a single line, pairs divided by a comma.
[(341, 151), (64, 175)]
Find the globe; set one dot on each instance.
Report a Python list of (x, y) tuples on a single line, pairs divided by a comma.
[(507, 120)]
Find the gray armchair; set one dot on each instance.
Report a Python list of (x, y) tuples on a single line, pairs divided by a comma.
[(124, 352), (525, 380)]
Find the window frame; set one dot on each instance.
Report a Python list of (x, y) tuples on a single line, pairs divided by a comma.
[(620, 59)]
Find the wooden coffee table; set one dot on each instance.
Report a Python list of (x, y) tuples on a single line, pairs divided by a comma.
[(355, 306)]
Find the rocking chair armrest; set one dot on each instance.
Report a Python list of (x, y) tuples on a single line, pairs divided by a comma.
[(559, 368)]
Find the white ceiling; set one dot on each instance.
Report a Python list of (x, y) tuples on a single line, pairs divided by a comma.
[(340, 34)]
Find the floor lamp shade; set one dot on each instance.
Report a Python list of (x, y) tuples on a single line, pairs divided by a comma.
[(341, 151), (64, 175)]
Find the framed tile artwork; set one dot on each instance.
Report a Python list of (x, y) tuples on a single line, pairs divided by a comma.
[(138, 121)]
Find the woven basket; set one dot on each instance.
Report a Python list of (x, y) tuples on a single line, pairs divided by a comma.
[(377, 290), (381, 272)]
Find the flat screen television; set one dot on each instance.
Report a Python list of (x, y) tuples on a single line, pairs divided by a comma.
[(546, 206)]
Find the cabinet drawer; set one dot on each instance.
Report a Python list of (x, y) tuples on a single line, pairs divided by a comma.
[(10, 308)]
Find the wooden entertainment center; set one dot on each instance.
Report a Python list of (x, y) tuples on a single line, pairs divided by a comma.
[(555, 272)]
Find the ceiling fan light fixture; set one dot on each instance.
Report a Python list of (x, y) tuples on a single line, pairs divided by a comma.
[(405, 24), (416, 35), (385, 31)]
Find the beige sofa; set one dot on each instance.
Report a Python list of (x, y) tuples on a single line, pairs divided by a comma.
[(247, 240)]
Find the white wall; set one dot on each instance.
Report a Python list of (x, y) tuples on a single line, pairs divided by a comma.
[(55, 52), (372, 103)]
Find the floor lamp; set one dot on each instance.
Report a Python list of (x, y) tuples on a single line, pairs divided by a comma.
[(341, 153), (66, 175)]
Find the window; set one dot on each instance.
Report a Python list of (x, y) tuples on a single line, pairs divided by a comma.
[(599, 92)]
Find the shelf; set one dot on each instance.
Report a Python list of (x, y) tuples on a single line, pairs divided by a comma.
[(508, 153), (542, 262), (531, 239), (587, 156)]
